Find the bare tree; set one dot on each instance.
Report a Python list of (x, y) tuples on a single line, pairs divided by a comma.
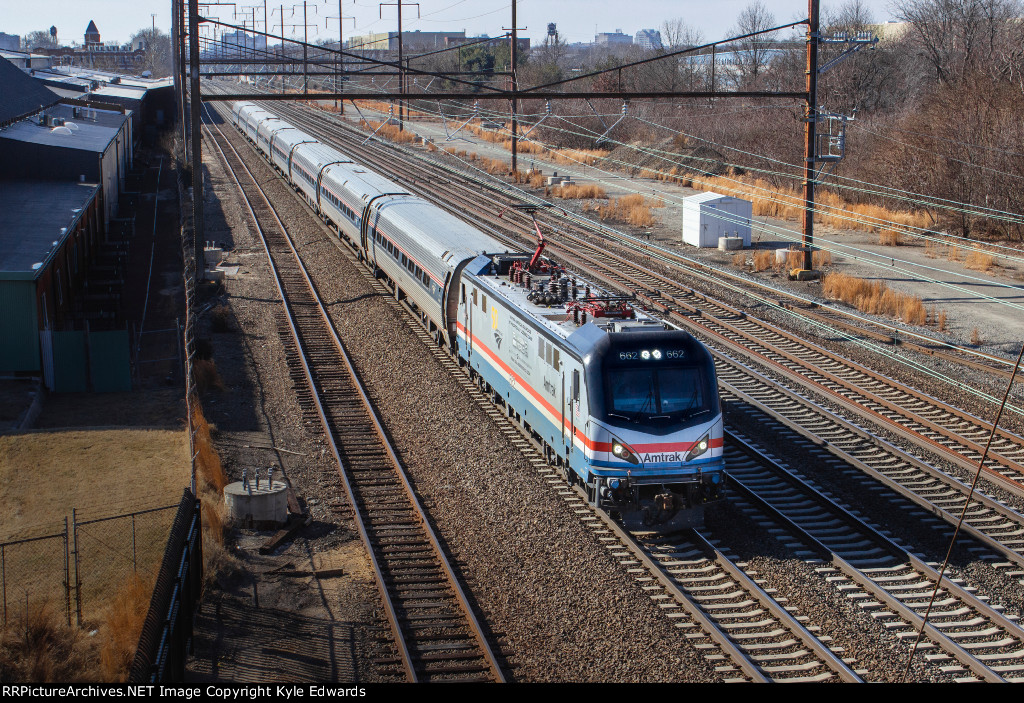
[(852, 16), (962, 36), (158, 51), (677, 34), (40, 39), (754, 53)]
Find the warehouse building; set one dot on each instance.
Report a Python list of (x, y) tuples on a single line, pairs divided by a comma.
[(50, 234), (62, 169), (71, 143)]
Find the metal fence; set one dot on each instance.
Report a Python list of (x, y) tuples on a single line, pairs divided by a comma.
[(73, 571), (110, 550), (35, 576), (167, 633)]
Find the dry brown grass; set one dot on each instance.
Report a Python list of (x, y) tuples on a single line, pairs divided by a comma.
[(210, 473), (631, 209), (37, 646), (980, 261), (739, 260), (794, 260), (591, 191), (976, 337), (890, 238), (220, 318), (389, 131), (211, 479), (820, 259), (46, 474), (122, 627), (764, 259), (940, 321), (953, 254), (206, 376), (875, 297)]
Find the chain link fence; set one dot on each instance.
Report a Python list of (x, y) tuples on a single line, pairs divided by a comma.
[(35, 576), (74, 572)]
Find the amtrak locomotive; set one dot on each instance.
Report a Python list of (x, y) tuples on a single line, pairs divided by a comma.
[(628, 407)]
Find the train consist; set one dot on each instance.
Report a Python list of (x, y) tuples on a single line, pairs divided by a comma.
[(626, 406)]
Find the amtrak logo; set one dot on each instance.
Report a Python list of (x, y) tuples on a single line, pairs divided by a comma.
[(661, 458)]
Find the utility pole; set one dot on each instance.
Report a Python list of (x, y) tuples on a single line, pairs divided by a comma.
[(401, 65), (515, 88), (195, 100), (810, 133), (305, 50), (339, 59), (339, 86)]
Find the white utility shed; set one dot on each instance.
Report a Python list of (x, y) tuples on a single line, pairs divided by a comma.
[(708, 216)]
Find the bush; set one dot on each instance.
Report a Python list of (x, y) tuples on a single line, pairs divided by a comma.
[(875, 297), (206, 376), (220, 319), (38, 647), (122, 627)]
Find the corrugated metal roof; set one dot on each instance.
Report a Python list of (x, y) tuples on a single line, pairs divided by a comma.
[(20, 95), (37, 217), (90, 135)]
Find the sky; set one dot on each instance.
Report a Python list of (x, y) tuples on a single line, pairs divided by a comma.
[(577, 20)]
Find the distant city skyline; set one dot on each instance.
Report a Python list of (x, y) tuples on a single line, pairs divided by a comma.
[(117, 20)]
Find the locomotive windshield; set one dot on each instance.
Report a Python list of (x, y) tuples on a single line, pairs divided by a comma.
[(650, 394), (654, 381)]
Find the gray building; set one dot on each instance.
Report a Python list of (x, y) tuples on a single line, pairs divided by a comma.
[(10, 42), (239, 43), (648, 39), (616, 38), (95, 147)]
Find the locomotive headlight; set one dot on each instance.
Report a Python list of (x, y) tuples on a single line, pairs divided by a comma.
[(645, 355), (624, 452), (656, 354), (699, 447)]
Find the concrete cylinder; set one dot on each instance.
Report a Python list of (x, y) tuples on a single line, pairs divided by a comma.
[(265, 507)]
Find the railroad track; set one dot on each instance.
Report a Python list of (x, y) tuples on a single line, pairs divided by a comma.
[(732, 610), (435, 632), (992, 522), (977, 641)]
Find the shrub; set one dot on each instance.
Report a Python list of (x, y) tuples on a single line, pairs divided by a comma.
[(206, 376), (36, 646), (122, 627), (979, 262), (875, 297), (890, 238), (763, 259), (220, 319)]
